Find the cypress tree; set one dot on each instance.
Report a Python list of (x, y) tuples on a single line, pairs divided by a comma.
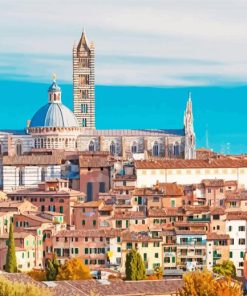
[(134, 266), (11, 262)]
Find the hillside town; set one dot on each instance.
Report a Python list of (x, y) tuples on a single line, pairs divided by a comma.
[(73, 191)]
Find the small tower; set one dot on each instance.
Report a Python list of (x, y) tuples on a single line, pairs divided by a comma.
[(190, 138), (83, 82), (54, 92)]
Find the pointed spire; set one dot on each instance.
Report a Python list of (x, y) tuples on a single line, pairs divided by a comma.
[(83, 41)]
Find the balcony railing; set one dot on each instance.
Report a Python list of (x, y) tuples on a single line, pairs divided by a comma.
[(204, 219)]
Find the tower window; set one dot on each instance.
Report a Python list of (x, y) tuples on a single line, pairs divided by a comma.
[(84, 108), (176, 149), (84, 122), (84, 94), (21, 179)]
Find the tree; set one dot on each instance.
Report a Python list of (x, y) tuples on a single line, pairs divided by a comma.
[(11, 262), (227, 268), (73, 269), (134, 266), (37, 275), (9, 288), (201, 283), (52, 267)]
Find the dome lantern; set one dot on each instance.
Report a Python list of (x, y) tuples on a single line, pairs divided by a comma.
[(54, 92)]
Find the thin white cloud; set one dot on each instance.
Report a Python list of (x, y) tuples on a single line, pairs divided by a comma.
[(206, 31)]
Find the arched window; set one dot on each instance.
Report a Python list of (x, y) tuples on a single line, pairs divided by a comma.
[(19, 148), (176, 149), (43, 174), (42, 143), (66, 143), (134, 147), (35, 143), (55, 97), (113, 148), (92, 146), (156, 149), (21, 177)]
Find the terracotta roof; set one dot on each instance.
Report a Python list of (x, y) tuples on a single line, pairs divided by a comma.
[(129, 215), (215, 236), (165, 212), (32, 160), (231, 183), (147, 192), (236, 216), (138, 237), (217, 211), (89, 204), (213, 182), (17, 235), (94, 162), (89, 233), (171, 189), (191, 163), (124, 178), (34, 217)]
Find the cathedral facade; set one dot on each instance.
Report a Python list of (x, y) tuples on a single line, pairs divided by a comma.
[(55, 127)]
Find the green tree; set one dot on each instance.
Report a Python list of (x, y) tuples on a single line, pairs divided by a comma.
[(11, 262), (227, 268), (134, 266), (52, 267)]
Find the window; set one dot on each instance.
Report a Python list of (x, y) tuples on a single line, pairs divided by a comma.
[(18, 148), (221, 190), (129, 246), (118, 239), (155, 149), (230, 254), (176, 149), (86, 250), (229, 228), (241, 254), (113, 148), (134, 147), (173, 203), (144, 256), (145, 245), (156, 244), (156, 255), (216, 217), (241, 241), (91, 146), (61, 209), (167, 260), (84, 122), (21, 177), (94, 222), (83, 222), (209, 190), (102, 187), (43, 174), (119, 249), (89, 191), (84, 108), (173, 259), (241, 228), (76, 251)]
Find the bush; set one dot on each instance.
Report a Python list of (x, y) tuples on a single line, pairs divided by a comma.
[(37, 275)]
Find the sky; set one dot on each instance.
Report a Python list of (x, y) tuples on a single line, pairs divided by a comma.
[(151, 51)]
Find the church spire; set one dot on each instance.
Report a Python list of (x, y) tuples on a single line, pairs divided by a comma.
[(83, 43), (190, 149)]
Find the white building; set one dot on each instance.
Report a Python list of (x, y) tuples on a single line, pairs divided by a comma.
[(236, 227), (193, 171)]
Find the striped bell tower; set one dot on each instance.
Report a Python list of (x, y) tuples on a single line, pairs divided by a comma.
[(83, 82)]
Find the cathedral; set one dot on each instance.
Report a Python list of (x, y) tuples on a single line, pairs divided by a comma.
[(56, 127)]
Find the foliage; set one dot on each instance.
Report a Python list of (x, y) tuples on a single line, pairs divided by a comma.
[(227, 268), (74, 269), (202, 283), (8, 288), (11, 262), (134, 266), (114, 276), (52, 267), (37, 275), (157, 275)]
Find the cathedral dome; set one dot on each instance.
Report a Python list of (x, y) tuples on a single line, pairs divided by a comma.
[(54, 114)]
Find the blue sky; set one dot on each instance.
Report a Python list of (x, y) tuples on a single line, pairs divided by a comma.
[(164, 47)]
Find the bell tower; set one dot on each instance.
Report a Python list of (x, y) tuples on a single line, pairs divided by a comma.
[(83, 82), (190, 138)]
